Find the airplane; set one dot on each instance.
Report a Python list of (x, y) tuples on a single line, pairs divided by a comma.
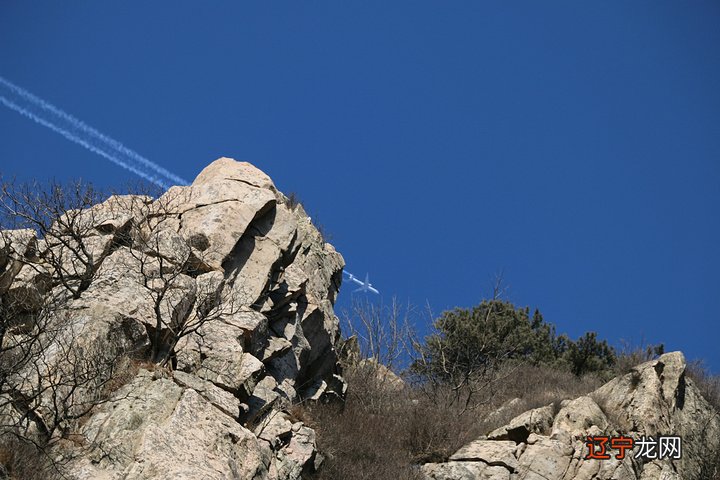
[(365, 286)]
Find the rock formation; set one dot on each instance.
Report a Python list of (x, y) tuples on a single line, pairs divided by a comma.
[(220, 295), (655, 398)]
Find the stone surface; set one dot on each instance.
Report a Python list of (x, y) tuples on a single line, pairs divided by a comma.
[(276, 429), (577, 416), (214, 216), (499, 453), (228, 169), (219, 398), (157, 429), (300, 455), (15, 248), (464, 471), (539, 420), (28, 288), (384, 376)]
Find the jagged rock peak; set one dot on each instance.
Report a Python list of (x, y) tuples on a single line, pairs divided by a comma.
[(219, 293)]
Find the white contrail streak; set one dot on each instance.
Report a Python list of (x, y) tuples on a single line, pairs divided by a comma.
[(73, 129), (84, 143)]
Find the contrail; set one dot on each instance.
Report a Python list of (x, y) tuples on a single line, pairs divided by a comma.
[(73, 129)]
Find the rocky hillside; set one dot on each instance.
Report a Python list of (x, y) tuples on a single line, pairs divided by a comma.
[(165, 338), (655, 399), (169, 338)]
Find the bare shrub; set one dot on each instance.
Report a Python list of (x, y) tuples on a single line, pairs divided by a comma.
[(54, 367), (167, 270), (365, 437), (292, 200), (52, 376), (384, 332), (24, 460), (630, 357), (709, 386), (536, 386), (63, 217), (707, 382)]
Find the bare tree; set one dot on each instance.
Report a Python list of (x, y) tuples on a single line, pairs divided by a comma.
[(76, 235), (183, 292), (53, 372), (59, 252), (54, 368), (69, 228), (384, 332)]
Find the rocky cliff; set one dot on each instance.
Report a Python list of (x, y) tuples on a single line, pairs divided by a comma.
[(166, 338), (655, 399)]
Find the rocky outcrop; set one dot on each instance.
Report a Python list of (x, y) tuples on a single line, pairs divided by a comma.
[(222, 291), (654, 399)]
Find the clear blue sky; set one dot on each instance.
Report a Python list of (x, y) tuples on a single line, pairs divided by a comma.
[(573, 145)]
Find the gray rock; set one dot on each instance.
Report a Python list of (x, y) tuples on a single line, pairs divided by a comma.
[(495, 453), (15, 248), (158, 429), (276, 429), (300, 455), (214, 216), (169, 245), (325, 391), (276, 346), (547, 458), (228, 169), (239, 376), (263, 399), (253, 258), (577, 416), (539, 421), (213, 446), (17, 243), (464, 471), (29, 287), (219, 398)]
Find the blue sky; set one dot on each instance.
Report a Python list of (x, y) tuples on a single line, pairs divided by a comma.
[(573, 146)]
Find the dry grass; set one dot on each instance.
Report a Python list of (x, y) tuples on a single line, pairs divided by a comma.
[(709, 386), (537, 386), (630, 357), (381, 432), (22, 460), (707, 382)]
